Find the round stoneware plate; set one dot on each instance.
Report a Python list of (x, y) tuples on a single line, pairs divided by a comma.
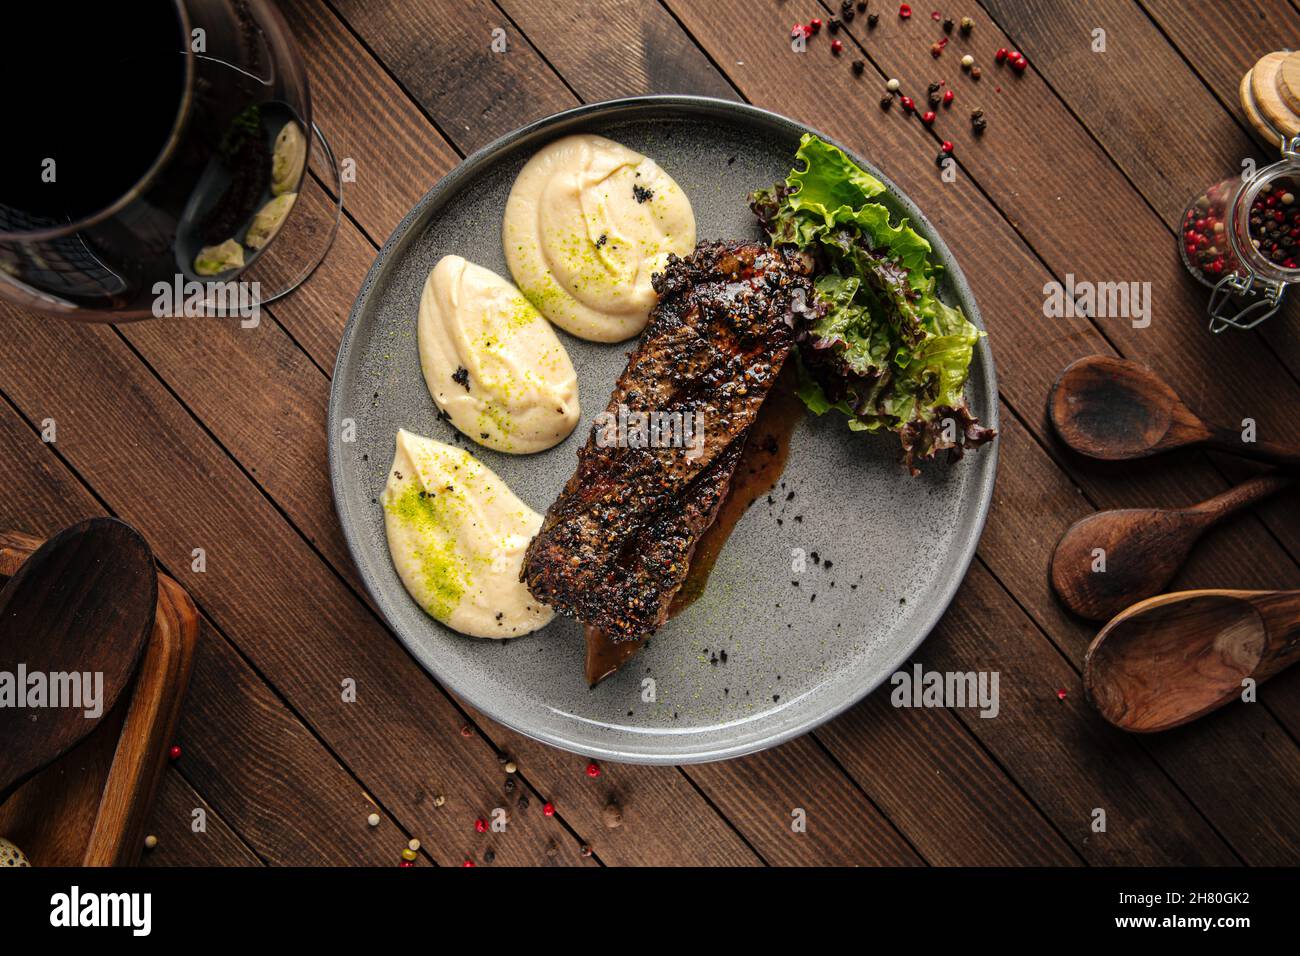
[(890, 550)]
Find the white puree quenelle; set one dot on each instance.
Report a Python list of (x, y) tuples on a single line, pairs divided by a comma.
[(492, 363), (457, 536), (587, 223)]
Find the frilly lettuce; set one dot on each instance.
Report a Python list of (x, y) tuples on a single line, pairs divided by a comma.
[(880, 346)]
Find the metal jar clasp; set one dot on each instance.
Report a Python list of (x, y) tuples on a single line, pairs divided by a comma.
[(1264, 302)]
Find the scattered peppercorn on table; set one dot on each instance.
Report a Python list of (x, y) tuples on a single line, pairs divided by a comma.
[(1054, 144)]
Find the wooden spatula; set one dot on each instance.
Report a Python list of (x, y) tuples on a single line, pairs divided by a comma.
[(1170, 659), (1142, 548), (81, 604), (1114, 409)]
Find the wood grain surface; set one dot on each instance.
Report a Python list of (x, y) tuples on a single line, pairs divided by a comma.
[(208, 436)]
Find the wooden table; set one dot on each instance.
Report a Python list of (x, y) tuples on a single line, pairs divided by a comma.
[(205, 435)]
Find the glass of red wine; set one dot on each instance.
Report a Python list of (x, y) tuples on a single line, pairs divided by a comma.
[(156, 152)]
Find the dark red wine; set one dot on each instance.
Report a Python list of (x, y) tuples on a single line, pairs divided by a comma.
[(145, 142), (97, 89)]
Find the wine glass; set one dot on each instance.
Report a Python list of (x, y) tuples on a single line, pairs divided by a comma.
[(156, 150)]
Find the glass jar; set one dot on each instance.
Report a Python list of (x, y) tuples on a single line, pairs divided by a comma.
[(1241, 237)]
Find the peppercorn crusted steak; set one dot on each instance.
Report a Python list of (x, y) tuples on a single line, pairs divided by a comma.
[(615, 546)]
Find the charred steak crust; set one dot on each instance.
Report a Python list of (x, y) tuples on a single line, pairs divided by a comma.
[(616, 545)]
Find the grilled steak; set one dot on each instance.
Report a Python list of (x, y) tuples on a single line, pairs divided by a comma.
[(616, 545)]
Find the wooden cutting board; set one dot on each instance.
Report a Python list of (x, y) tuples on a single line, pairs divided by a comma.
[(89, 808)]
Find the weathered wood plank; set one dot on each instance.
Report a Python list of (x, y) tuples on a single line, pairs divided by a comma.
[(297, 815), (396, 160), (1150, 113), (289, 799), (286, 610), (950, 822), (442, 53), (178, 844), (665, 821), (760, 794), (619, 48), (1222, 39)]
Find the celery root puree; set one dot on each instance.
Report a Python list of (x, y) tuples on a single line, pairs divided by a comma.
[(457, 536), (587, 223), (492, 363)]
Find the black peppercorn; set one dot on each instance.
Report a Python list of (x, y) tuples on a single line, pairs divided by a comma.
[(859, 66), (833, 24), (886, 101), (872, 20), (862, 5), (947, 25)]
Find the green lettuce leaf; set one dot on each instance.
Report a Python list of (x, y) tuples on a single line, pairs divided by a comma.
[(880, 347)]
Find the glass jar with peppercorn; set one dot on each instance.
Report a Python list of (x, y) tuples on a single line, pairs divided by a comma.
[(1242, 238)]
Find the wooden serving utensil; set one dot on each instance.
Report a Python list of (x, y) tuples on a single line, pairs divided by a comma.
[(1143, 548), (83, 603), (1115, 410), (1170, 659)]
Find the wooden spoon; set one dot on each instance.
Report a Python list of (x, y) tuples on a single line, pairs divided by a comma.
[(1114, 409), (82, 603), (1143, 548), (1170, 659)]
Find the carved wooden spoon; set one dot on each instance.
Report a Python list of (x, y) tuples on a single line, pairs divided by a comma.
[(1110, 559), (82, 603), (1114, 409), (1170, 659)]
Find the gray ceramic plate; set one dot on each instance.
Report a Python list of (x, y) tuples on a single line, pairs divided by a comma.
[(897, 546)]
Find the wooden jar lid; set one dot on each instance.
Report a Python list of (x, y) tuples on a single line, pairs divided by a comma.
[(1288, 81), (1269, 102), (1266, 133)]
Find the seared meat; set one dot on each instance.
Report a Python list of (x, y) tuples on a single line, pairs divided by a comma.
[(616, 545), (661, 543)]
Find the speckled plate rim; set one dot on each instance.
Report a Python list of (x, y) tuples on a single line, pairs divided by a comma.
[(648, 108)]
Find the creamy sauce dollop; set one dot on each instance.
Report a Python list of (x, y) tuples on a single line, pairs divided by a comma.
[(587, 223), (457, 535), (492, 363)]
